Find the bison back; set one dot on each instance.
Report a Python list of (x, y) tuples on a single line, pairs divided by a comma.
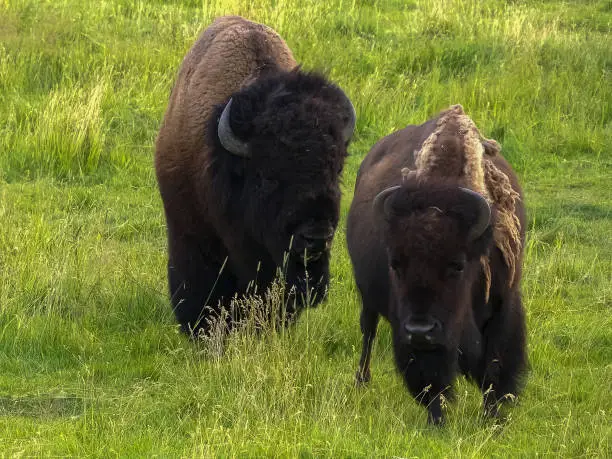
[(229, 54)]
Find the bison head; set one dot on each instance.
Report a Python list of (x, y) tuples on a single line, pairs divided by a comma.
[(282, 145), (435, 236)]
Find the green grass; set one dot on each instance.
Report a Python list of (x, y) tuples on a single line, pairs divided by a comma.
[(91, 363)]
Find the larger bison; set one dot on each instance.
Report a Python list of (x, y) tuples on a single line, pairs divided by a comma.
[(435, 233), (248, 160)]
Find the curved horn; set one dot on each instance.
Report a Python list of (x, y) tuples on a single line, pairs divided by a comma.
[(227, 138), (349, 128), (379, 200), (484, 214)]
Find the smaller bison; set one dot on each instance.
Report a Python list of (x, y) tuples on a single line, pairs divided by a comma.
[(435, 234), (248, 161)]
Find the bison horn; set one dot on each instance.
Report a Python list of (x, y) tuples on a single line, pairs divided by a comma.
[(381, 198), (349, 127), (484, 214), (227, 137)]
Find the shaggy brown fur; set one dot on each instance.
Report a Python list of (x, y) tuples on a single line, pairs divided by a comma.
[(231, 53), (475, 170)]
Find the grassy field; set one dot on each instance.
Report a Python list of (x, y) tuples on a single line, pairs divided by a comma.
[(91, 362)]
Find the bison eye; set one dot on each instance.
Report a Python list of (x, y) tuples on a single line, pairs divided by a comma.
[(395, 264), (456, 267)]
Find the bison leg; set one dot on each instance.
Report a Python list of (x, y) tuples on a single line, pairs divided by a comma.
[(505, 356), (369, 324), (434, 411), (196, 287), (429, 376)]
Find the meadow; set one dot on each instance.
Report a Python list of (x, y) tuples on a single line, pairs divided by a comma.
[(91, 360)]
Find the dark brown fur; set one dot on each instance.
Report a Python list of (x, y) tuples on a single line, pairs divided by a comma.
[(414, 260), (231, 219)]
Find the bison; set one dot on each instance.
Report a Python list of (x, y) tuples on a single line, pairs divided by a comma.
[(435, 234), (248, 160)]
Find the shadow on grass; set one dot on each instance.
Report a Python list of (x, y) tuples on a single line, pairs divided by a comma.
[(41, 406)]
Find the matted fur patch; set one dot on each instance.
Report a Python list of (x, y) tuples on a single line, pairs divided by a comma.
[(471, 163)]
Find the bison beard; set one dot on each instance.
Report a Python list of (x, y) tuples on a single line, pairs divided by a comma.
[(248, 162), (429, 255)]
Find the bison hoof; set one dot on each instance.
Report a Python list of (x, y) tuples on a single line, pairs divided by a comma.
[(492, 411), (362, 378), (435, 420)]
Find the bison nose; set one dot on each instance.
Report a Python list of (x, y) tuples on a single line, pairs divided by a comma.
[(419, 329), (422, 330), (314, 240)]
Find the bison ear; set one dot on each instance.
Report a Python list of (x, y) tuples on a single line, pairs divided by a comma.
[(227, 137), (350, 119), (491, 147), (381, 199)]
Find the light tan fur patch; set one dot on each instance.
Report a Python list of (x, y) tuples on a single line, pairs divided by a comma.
[(479, 174)]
